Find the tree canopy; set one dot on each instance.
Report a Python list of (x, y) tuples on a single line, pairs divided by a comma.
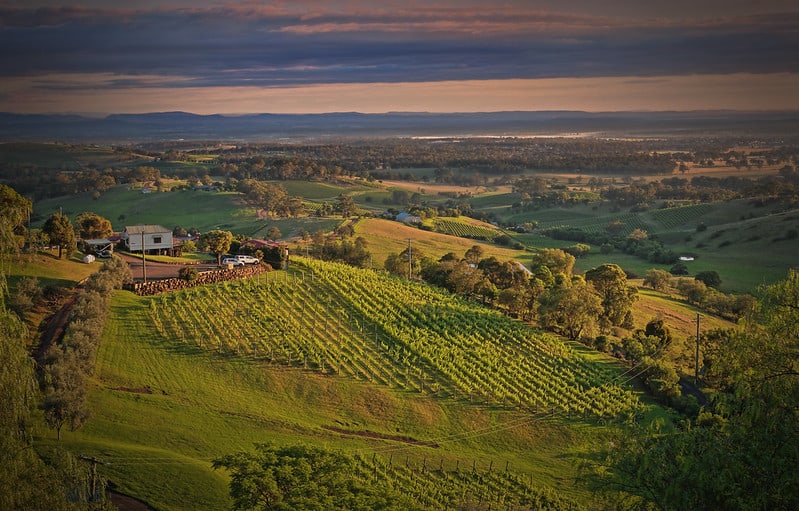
[(740, 454), (217, 242), (60, 232), (93, 226), (617, 296)]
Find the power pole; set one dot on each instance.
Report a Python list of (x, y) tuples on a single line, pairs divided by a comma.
[(409, 258), (143, 260), (94, 462), (696, 357)]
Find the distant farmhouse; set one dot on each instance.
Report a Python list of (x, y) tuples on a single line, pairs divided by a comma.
[(157, 240), (407, 218)]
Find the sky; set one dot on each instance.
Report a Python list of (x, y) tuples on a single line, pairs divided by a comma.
[(96, 57)]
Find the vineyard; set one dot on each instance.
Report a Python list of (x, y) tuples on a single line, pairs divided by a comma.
[(339, 320), (598, 224), (436, 485), (683, 216), (462, 229)]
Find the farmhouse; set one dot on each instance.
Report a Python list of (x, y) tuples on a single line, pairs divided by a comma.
[(409, 219), (157, 240)]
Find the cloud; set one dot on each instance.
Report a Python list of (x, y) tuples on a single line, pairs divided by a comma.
[(698, 92), (280, 44)]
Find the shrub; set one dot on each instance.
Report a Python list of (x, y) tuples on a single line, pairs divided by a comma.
[(188, 273), (710, 278)]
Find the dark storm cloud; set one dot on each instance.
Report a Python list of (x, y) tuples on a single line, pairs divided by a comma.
[(252, 45)]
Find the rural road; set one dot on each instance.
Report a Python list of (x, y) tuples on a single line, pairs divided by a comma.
[(157, 271)]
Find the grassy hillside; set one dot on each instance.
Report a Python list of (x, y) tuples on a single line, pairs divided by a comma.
[(171, 393), (388, 237)]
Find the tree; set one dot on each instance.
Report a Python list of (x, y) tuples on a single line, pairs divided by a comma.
[(14, 212), (60, 232), (578, 250), (395, 264), (679, 268), (474, 254), (346, 205), (217, 242), (710, 278), (398, 263), (615, 227), (610, 282), (657, 279), (65, 393), (92, 226), (694, 290), (273, 233), (558, 261), (638, 234), (28, 291), (570, 308)]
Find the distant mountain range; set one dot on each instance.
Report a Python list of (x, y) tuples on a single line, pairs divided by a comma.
[(131, 128)]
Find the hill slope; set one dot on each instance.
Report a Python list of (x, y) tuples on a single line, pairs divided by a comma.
[(294, 360)]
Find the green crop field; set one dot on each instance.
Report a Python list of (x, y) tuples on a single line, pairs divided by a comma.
[(464, 227), (405, 377)]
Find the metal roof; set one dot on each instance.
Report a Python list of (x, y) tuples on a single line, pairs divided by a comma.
[(146, 229)]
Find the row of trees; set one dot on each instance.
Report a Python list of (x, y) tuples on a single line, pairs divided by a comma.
[(67, 366), (574, 305), (26, 481)]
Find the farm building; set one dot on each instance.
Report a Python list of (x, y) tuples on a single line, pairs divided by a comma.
[(157, 240), (102, 246), (409, 219)]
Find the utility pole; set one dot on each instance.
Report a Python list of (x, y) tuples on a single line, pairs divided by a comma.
[(94, 462), (409, 258), (143, 261), (696, 357)]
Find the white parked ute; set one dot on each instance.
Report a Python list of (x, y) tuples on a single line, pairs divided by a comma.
[(247, 259)]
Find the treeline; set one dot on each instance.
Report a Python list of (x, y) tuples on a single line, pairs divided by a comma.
[(576, 306), (705, 189), (637, 243), (27, 481), (44, 182), (66, 366)]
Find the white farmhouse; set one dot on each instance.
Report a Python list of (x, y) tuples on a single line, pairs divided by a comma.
[(156, 239)]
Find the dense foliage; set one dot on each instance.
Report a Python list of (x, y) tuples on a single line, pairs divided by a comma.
[(742, 453)]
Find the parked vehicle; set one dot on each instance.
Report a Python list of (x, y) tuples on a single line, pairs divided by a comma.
[(247, 259), (232, 261)]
